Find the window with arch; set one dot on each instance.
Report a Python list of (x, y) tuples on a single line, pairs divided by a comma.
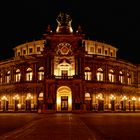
[(41, 73), (29, 74), (121, 77), (7, 78), (99, 50), (41, 95), (0, 77), (111, 76), (87, 95), (18, 54), (128, 79), (18, 75), (100, 74), (87, 73)]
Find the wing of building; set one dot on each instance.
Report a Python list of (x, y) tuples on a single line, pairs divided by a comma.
[(65, 72)]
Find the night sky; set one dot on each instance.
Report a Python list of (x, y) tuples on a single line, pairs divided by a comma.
[(113, 23)]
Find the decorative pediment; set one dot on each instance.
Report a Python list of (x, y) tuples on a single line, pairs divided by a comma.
[(64, 49)]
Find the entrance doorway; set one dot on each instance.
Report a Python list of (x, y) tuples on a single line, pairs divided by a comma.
[(64, 102), (64, 73), (64, 99)]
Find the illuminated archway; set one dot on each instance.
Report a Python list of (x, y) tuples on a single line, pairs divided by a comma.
[(64, 98)]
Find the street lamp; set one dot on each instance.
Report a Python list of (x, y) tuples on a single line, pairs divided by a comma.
[(4, 99), (134, 99), (29, 97)]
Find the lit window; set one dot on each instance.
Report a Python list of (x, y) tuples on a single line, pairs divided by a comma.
[(105, 52), (18, 53), (41, 73), (24, 51), (41, 95), (99, 50), (38, 49), (128, 79), (7, 77), (1, 78), (30, 50), (29, 74), (91, 49), (87, 95), (121, 77), (18, 75), (99, 74), (87, 73), (111, 76)]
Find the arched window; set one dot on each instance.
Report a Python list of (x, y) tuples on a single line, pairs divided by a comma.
[(41, 95), (41, 73), (111, 76), (121, 77), (0, 77), (99, 74), (87, 73), (128, 79), (29, 74), (87, 95), (18, 75), (7, 79)]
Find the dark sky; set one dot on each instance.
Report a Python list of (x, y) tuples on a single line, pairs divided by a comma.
[(110, 22)]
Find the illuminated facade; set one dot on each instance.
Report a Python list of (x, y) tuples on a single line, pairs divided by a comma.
[(66, 72)]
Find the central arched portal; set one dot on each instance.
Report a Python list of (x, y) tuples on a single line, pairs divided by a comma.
[(64, 99)]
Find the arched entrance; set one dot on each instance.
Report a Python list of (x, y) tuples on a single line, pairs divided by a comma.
[(64, 99)]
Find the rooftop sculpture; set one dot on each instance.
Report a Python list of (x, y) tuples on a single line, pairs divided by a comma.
[(64, 23)]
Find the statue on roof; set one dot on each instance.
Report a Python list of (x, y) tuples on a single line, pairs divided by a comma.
[(64, 19), (64, 23)]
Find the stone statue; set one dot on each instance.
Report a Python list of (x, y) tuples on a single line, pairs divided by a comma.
[(64, 19), (64, 23)]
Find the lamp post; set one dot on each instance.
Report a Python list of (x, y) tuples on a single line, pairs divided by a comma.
[(113, 98), (134, 99), (16, 98), (4, 99)]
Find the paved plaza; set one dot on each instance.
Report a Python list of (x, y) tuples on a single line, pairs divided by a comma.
[(69, 126)]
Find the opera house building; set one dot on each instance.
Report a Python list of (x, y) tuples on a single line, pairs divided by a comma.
[(65, 72)]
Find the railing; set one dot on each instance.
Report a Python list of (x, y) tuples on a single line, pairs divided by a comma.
[(63, 77)]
